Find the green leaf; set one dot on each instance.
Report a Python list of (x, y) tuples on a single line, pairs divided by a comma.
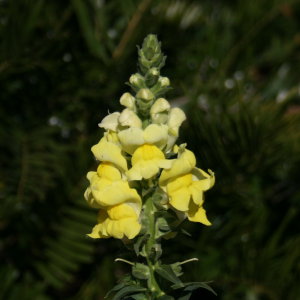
[(192, 286), (168, 273), (186, 296), (115, 288), (127, 291), (165, 297), (139, 296)]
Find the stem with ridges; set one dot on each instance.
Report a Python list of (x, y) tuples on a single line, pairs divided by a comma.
[(152, 283)]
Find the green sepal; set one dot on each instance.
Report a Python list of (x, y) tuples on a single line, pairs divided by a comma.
[(151, 77), (158, 251), (160, 199), (159, 90), (177, 269), (139, 244), (166, 223), (140, 271)]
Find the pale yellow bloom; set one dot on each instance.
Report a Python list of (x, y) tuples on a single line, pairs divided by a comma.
[(154, 134), (176, 117), (160, 111), (146, 162), (130, 119), (107, 188), (110, 151), (110, 122), (117, 221)]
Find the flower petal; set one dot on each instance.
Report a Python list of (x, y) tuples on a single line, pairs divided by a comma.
[(131, 138), (182, 165), (116, 193), (203, 181), (198, 215), (156, 135), (146, 162), (110, 122), (180, 199), (110, 152), (129, 118)]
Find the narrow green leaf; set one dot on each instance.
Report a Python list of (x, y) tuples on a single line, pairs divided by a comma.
[(127, 291), (139, 296), (191, 286), (167, 273), (186, 296)]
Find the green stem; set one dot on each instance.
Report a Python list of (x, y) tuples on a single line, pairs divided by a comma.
[(152, 283)]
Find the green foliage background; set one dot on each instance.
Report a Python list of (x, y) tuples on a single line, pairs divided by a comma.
[(234, 67)]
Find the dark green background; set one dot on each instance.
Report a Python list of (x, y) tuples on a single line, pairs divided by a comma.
[(234, 67)]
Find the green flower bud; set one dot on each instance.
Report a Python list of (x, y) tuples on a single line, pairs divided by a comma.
[(137, 81), (128, 100), (145, 95), (164, 81)]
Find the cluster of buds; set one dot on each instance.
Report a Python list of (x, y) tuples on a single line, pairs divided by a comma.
[(145, 184)]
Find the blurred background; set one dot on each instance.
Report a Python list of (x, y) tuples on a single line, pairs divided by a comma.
[(234, 67)]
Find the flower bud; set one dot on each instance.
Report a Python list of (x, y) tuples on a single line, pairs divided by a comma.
[(128, 100), (145, 94), (137, 81), (129, 118), (110, 122), (164, 81), (160, 105)]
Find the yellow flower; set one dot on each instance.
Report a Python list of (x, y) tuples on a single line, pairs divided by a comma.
[(117, 221), (159, 111), (110, 122), (146, 162), (130, 119), (153, 134), (175, 119), (185, 162), (185, 185), (107, 188), (109, 151)]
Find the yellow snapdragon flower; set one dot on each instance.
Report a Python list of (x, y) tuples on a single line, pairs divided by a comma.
[(153, 134), (185, 184), (146, 162), (117, 221), (107, 188), (108, 150)]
